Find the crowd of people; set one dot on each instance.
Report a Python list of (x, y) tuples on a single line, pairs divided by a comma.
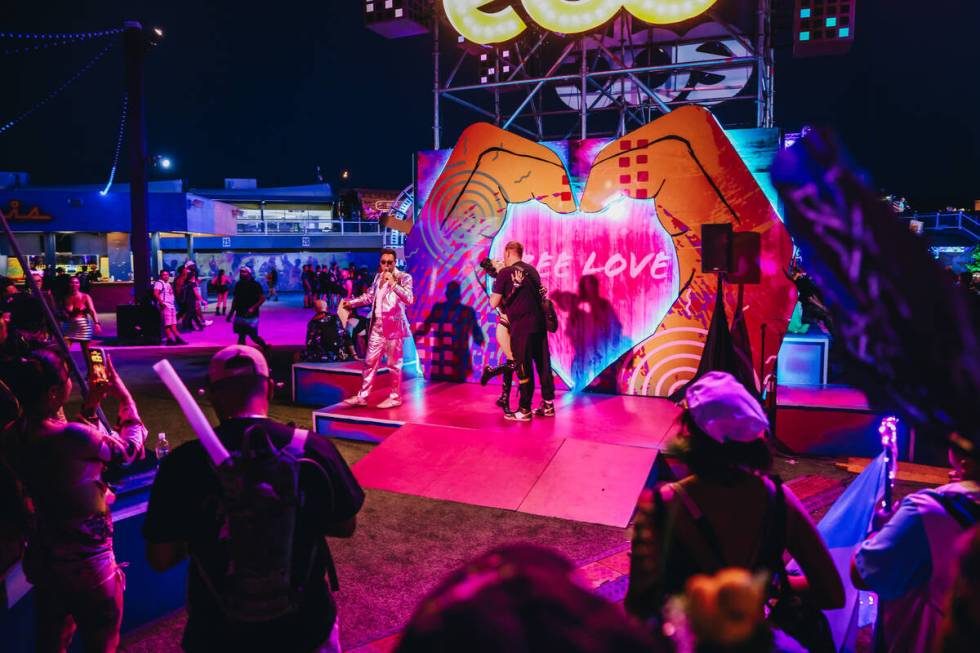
[(707, 567)]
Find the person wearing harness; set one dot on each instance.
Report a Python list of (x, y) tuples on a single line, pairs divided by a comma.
[(727, 512), (301, 491), (909, 562)]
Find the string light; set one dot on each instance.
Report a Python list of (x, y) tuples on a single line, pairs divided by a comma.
[(119, 141), (58, 91), (76, 36), (37, 42), (888, 430)]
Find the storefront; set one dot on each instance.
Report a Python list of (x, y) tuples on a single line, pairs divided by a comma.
[(240, 224), (76, 227)]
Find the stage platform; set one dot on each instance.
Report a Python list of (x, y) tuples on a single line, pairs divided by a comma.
[(831, 420), (589, 463), (449, 441)]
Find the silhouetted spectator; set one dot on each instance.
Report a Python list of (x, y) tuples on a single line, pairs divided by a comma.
[(727, 513), (519, 599), (188, 515), (907, 562), (961, 627)]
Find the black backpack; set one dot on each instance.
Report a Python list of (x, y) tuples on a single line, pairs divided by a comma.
[(258, 508)]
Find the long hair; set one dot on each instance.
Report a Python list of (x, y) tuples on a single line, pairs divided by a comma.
[(29, 380), (720, 461)]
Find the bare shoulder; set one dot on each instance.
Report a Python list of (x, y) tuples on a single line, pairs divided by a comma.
[(78, 434)]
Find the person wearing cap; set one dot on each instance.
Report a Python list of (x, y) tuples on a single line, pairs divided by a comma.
[(247, 297), (908, 563), (388, 296), (727, 512), (183, 518)]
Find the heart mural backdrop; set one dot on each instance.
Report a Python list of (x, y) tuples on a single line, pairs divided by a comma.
[(600, 269), (614, 229)]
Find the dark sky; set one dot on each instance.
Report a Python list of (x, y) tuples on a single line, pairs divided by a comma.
[(271, 90)]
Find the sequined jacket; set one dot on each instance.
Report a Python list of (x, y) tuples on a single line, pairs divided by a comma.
[(391, 302)]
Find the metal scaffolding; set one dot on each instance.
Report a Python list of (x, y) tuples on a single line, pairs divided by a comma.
[(549, 86)]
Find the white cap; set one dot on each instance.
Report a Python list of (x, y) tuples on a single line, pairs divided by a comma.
[(237, 360), (722, 408)]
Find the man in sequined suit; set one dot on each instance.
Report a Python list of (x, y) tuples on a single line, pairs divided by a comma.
[(388, 296)]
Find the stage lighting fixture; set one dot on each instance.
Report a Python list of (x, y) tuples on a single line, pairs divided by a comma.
[(153, 36), (395, 19), (823, 27)]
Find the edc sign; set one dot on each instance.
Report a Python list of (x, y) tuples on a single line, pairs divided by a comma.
[(562, 16)]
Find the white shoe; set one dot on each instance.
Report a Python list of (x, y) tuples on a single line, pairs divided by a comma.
[(356, 400), (390, 403), (208, 322)]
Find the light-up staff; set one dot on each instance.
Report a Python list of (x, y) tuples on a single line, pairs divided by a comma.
[(888, 429), (195, 416)]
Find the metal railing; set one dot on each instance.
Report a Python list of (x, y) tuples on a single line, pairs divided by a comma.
[(307, 227), (959, 220)]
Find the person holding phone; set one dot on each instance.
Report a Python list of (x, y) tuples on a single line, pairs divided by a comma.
[(388, 296), (78, 587)]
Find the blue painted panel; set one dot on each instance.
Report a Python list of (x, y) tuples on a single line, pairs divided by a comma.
[(88, 210), (802, 360)]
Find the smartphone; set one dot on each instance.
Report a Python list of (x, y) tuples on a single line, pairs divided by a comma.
[(98, 371)]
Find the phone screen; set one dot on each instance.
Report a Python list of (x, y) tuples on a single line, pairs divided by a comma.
[(97, 370)]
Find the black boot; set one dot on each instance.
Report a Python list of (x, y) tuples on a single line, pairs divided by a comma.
[(504, 399), (490, 372)]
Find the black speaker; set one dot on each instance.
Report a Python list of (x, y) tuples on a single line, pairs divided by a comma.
[(716, 248), (746, 252), (138, 324)]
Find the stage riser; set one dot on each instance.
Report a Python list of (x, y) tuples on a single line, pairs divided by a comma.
[(355, 430), (829, 432), (323, 384)]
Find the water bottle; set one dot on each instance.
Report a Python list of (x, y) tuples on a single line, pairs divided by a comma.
[(163, 447)]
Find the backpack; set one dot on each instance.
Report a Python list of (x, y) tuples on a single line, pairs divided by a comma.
[(547, 309), (259, 504)]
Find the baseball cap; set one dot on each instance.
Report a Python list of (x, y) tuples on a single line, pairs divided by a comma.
[(722, 408), (235, 361)]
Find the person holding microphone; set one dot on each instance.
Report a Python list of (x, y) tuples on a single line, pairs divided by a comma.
[(388, 296)]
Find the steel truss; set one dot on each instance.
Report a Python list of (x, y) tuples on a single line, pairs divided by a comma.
[(606, 82)]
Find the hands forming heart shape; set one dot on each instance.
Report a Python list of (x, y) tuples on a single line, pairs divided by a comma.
[(621, 253)]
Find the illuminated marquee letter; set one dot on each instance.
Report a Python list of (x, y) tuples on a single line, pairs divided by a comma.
[(663, 12), (482, 27), (563, 16), (571, 17)]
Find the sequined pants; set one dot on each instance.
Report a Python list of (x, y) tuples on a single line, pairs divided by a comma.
[(376, 346)]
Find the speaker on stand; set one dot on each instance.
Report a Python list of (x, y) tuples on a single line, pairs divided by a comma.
[(138, 324)]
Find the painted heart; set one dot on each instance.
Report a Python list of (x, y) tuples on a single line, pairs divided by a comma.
[(598, 268), (589, 214)]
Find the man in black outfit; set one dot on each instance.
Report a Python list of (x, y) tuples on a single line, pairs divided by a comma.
[(185, 518), (520, 283), (248, 297)]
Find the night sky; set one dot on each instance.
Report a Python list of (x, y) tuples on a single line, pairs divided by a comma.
[(270, 91)]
